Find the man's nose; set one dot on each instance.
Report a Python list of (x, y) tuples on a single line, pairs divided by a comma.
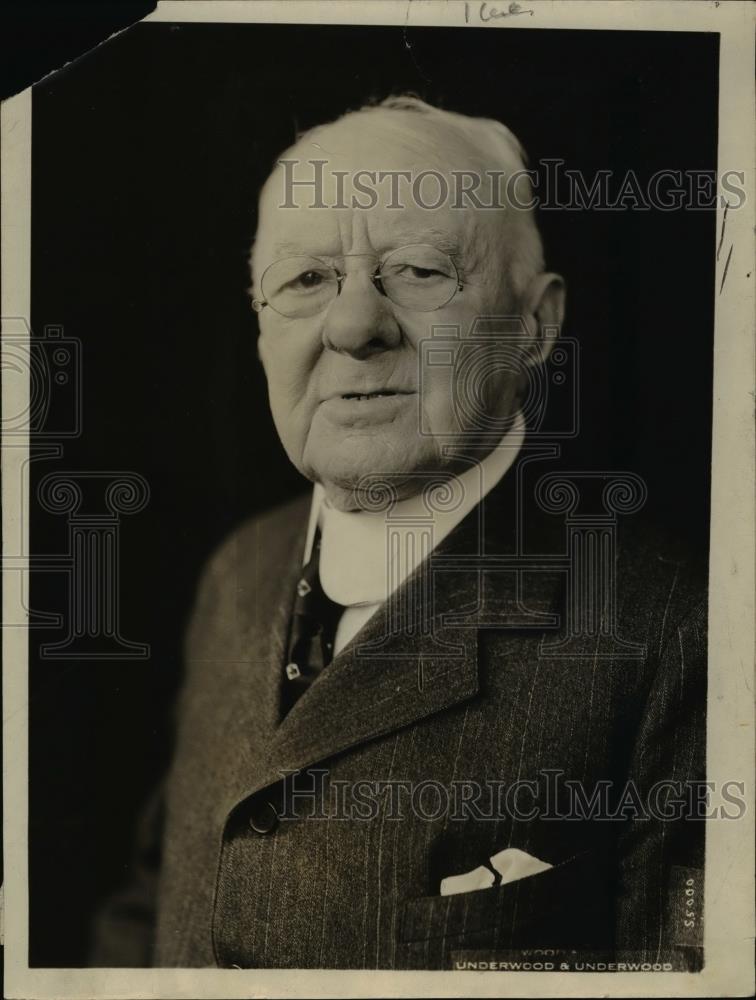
[(360, 321)]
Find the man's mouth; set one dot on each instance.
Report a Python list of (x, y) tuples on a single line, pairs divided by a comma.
[(370, 395), (357, 408)]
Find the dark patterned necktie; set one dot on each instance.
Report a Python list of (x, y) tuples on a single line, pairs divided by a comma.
[(313, 630)]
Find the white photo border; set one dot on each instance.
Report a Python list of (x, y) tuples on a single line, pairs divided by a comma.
[(729, 879)]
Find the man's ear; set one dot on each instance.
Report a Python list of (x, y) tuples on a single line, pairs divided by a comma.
[(543, 312)]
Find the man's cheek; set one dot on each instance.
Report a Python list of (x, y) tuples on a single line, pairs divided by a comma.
[(265, 350), (289, 376), (438, 408), (292, 410)]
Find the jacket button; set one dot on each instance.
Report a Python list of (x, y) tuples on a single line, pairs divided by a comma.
[(263, 818)]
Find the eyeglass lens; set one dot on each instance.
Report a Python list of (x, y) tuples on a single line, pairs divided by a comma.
[(418, 277)]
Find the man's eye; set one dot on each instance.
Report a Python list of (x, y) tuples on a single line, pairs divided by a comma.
[(307, 280), (413, 272)]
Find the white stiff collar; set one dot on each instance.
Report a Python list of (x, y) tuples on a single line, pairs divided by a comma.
[(354, 567)]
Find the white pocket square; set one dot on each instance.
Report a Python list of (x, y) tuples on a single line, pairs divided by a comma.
[(511, 864)]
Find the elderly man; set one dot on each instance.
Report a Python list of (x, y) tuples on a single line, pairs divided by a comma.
[(389, 753)]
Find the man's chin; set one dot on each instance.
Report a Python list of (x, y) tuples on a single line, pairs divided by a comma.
[(354, 478)]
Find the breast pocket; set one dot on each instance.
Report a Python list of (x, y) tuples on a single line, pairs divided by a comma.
[(568, 906)]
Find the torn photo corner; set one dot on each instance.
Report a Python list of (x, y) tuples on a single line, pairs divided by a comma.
[(377, 504)]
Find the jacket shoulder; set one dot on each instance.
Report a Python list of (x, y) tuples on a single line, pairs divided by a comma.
[(258, 547), (661, 576), (266, 532)]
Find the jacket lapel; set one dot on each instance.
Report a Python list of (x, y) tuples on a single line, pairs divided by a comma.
[(416, 656), (403, 665)]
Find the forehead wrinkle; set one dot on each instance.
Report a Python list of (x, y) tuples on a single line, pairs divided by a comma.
[(441, 240), (467, 239)]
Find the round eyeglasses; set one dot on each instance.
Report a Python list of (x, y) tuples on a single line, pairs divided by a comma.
[(417, 277)]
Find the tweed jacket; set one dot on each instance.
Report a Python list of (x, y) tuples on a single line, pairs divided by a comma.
[(426, 725)]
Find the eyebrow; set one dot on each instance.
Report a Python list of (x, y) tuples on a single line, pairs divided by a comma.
[(439, 238), (287, 249)]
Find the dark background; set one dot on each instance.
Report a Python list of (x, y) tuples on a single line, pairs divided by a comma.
[(40, 36), (147, 157)]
